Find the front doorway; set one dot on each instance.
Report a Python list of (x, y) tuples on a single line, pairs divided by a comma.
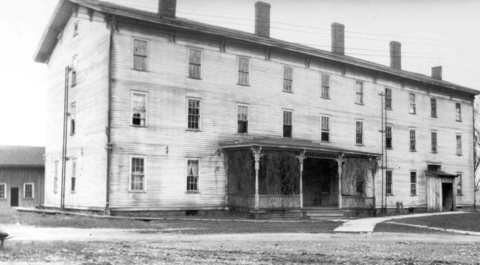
[(14, 197), (320, 182), (447, 197)]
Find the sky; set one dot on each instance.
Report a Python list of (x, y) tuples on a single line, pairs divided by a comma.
[(432, 32)]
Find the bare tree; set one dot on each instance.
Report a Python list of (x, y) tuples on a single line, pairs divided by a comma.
[(476, 146)]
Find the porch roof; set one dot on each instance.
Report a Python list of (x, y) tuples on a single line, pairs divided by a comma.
[(441, 174), (292, 144)]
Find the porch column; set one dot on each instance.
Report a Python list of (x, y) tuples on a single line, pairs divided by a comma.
[(257, 154), (300, 158), (340, 161)]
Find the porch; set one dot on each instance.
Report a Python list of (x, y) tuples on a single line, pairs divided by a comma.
[(286, 174)]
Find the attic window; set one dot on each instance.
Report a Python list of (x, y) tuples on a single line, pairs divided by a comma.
[(75, 29)]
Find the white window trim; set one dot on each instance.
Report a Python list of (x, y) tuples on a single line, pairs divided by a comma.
[(55, 176), (75, 32), (6, 191), (249, 70), (456, 145), (147, 61), (436, 107), (74, 161), (456, 183), (391, 130), (414, 103), (72, 116), (416, 182), (236, 118), (329, 84), (74, 70), (329, 128), (201, 62), (201, 115), (460, 118), (186, 175), (363, 92), (416, 141), (25, 191), (144, 173), (391, 98), (283, 78), (293, 122), (436, 133), (131, 107), (363, 133)]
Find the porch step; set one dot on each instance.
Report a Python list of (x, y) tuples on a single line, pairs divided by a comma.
[(323, 213)]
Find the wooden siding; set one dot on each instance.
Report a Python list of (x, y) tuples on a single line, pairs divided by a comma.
[(16, 177), (87, 145), (166, 142)]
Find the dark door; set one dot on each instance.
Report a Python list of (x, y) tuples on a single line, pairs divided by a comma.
[(14, 197), (447, 196)]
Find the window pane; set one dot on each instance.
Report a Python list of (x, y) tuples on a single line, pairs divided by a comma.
[(242, 119), (2, 191), (194, 64), (193, 114), (140, 47), (458, 112), (192, 175), (434, 142), (433, 105), (359, 132), (412, 140), (243, 71), (138, 174), (359, 93)]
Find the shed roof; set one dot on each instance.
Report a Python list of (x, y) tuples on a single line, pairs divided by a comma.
[(63, 10), (22, 156)]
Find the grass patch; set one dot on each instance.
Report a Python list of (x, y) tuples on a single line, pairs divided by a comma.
[(394, 228), (464, 221)]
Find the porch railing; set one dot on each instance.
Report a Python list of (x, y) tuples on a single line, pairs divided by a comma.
[(279, 201), (357, 202)]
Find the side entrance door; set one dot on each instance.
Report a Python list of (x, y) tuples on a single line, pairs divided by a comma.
[(14, 197)]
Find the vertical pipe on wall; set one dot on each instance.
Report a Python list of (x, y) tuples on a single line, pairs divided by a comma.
[(64, 143), (382, 130)]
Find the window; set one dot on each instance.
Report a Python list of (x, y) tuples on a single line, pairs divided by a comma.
[(287, 124), (389, 183), (388, 137), (287, 78), (434, 142), (242, 119), (72, 118), (458, 112), (459, 145), (74, 71), (139, 109), (412, 109), (55, 177), (194, 114), (459, 184), (28, 190), (325, 129), (243, 65), (388, 98), (433, 107), (359, 132), (192, 175), (412, 141), (325, 86), (75, 29), (413, 183), (359, 92), (74, 174), (3, 191), (140, 55), (137, 174), (195, 62)]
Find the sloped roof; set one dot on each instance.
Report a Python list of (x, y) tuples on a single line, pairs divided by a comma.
[(20, 156), (63, 10)]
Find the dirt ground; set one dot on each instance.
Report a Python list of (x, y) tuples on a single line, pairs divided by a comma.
[(174, 246)]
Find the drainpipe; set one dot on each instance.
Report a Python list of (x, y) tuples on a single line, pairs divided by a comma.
[(382, 130), (474, 158), (64, 143), (386, 151), (109, 145)]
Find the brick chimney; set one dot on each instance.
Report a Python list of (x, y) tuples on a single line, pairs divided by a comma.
[(437, 72), (166, 8), (396, 55), (262, 19), (338, 38)]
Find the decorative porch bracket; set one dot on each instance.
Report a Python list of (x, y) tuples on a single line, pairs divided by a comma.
[(257, 154), (300, 158), (340, 160)]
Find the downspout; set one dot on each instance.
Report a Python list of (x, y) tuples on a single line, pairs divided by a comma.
[(474, 158), (382, 130), (109, 145), (386, 151), (64, 144)]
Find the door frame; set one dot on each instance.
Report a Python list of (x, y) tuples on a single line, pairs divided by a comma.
[(12, 191)]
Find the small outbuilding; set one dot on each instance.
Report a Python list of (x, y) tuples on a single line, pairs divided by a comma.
[(22, 176)]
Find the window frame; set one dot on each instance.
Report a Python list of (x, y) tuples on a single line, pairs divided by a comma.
[(5, 193), (412, 141), (285, 79), (199, 64), (458, 111), (76, 28), (239, 59), (283, 123), (458, 144), (238, 105), (413, 183), (187, 190), (132, 92), (146, 56), (73, 114), (459, 184), (434, 142), (55, 176), (388, 100), (387, 127), (433, 107), (323, 130), (200, 111), (130, 175), (73, 177), (389, 184), (325, 86), (25, 190), (359, 93), (74, 80), (357, 132), (412, 107)]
